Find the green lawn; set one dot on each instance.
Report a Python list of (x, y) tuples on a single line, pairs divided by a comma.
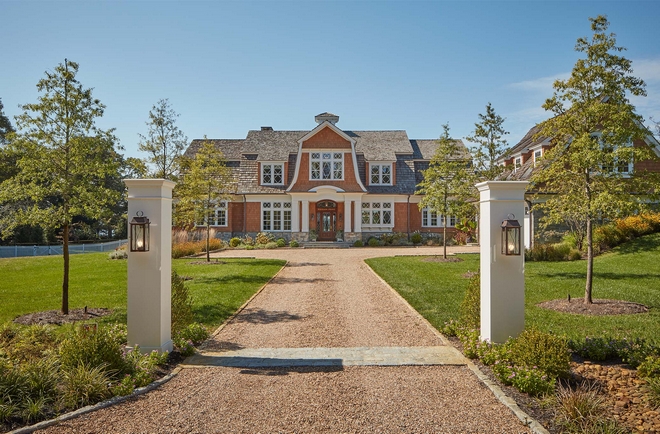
[(631, 272), (35, 284)]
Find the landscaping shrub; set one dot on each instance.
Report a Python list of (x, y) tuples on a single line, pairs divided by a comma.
[(416, 238), (249, 247), (653, 387), (470, 310), (294, 243), (92, 348), (119, 253), (550, 252), (281, 242), (583, 410), (24, 344), (534, 348), (596, 349), (195, 332), (271, 245), (248, 240), (358, 243), (373, 242), (181, 250), (650, 367), (85, 384), (264, 238), (182, 314), (234, 242), (635, 351)]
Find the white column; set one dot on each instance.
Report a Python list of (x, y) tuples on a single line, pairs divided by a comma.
[(348, 222), (295, 215), (502, 277), (149, 273), (358, 215), (305, 216)]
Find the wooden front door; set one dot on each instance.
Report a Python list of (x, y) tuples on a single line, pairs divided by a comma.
[(327, 220)]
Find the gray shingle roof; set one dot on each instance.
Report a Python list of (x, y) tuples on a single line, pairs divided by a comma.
[(380, 145), (231, 148), (425, 149)]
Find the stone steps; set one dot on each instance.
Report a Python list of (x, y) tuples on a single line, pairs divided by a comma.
[(325, 245)]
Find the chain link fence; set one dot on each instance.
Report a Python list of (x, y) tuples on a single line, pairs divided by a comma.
[(16, 250)]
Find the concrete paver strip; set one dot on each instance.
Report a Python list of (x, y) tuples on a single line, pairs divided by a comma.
[(306, 356)]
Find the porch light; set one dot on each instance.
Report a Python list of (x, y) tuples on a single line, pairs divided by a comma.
[(511, 236), (139, 233), (311, 216)]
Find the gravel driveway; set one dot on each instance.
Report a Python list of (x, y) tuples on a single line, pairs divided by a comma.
[(329, 302)]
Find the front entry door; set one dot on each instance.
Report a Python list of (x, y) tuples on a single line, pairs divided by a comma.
[(328, 227)]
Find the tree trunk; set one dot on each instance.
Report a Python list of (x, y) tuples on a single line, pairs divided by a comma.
[(65, 280), (590, 263), (444, 239), (208, 233)]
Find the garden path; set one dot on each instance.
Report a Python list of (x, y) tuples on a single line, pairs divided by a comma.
[(326, 346)]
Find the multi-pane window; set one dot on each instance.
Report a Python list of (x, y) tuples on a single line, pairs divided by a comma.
[(433, 219), (276, 216), (219, 216), (380, 174), (327, 165), (517, 163), (272, 173), (537, 155), (377, 214), (615, 164)]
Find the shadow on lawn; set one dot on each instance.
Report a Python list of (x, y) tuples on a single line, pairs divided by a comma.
[(643, 244), (600, 275), (305, 264), (212, 313), (215, 280)]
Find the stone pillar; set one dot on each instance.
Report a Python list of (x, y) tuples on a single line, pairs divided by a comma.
[(149, 273), (305, 216), (295, 215), (348, 217), (358, 215), (502, 277)]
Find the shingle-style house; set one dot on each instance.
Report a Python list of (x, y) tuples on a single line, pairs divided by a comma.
[(521, 162), (325, 182)]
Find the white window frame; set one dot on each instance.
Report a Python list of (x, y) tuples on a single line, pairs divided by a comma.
[(616, 165), (536, 158), (380, 173), (433, 219), (276, 216), (379, 208), (219, 210), (272, 166), (332, 160), (517, 163)]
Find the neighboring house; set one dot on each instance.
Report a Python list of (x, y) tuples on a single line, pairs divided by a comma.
[(522, 161), (326, 181)]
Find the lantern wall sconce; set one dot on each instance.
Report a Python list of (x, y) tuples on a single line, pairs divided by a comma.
[(311, 216), (511, 236), (139, 233), (341, 217)]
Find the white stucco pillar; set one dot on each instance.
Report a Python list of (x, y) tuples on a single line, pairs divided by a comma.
[(348, 216), (295, 215), (149, 273), (502, 277), (305, 216), (358, 215)]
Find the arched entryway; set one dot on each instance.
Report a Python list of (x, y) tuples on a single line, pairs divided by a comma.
[(326, 220)]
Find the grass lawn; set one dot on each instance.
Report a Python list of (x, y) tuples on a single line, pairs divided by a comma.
[(35, 284), (630, 272)]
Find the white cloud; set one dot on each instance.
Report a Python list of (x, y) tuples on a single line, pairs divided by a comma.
[(542, 84), (647, 69)]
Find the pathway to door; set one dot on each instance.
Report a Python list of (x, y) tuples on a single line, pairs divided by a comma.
[(325, 347)]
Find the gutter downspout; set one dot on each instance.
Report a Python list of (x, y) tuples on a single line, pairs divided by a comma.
[(408, 217), (244, 214)]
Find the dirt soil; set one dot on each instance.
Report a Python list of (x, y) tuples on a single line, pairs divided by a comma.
[(599, 307), (56, 317)]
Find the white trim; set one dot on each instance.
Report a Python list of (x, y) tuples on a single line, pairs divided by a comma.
[(272, 210), (380, 166), (332, 165), (272, 164), (381, 210), (439, 219)]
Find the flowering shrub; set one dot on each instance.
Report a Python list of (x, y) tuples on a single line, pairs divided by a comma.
[(650, 367), (595, 349), (264, 238), (528, 380)]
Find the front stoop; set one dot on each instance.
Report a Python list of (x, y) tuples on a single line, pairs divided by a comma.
[(326, 245)]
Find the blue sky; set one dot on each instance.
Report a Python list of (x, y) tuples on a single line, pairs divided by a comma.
[(228, 67)]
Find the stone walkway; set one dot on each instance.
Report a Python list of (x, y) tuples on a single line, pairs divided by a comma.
[(326, 346)]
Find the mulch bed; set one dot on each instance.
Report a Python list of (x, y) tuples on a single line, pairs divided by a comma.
[(599, 307), (56, 317), (441, 259), (214, 262)]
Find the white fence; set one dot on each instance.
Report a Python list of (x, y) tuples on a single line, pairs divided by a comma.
[(16, 251)]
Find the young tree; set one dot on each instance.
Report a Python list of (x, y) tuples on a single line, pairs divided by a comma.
[(488, 134), (448, 183), (62, 161), (593, 129), (164, 142), (205, 181)]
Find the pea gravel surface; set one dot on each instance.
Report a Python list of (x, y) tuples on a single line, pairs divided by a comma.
[(323, 298)]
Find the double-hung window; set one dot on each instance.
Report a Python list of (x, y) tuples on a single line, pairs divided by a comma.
[(276, 216), (326, 165), (537, 156), (614, 164), (380, 174), (272, 173), (377, 214), (517, 163), (219, 215), (433, 219)]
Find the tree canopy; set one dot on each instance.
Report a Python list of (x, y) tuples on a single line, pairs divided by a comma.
[(164, 142), (64, 161), (590, 168), (448, 183), (489, 135), (5, 126)]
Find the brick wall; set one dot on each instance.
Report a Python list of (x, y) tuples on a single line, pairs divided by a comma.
[(401, 217), (326, 139), (647, 165), (235, 218), (253, 217)]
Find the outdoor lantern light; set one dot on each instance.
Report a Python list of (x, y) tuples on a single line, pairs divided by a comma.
[(510, 236), (139, 233), (311, 216)]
